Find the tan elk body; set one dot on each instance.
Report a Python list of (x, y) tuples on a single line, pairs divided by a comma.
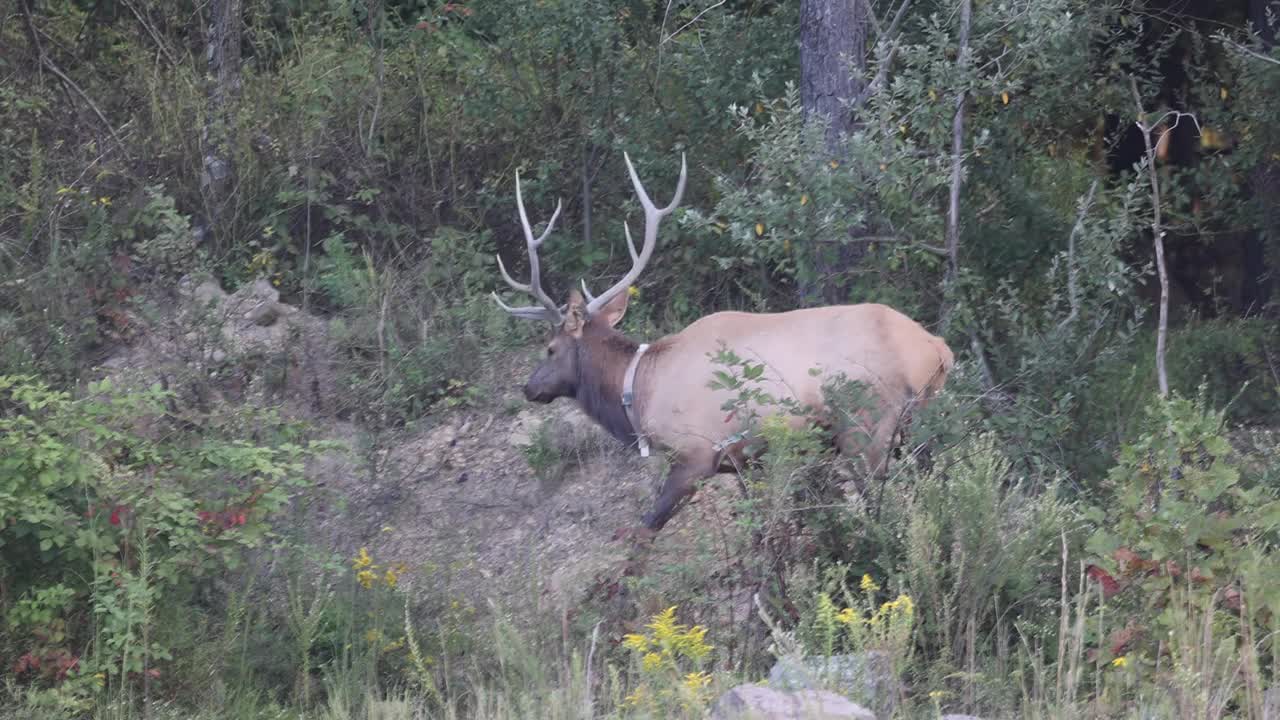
[(673, 405)]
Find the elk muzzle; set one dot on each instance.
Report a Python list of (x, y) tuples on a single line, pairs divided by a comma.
[(538, 396)]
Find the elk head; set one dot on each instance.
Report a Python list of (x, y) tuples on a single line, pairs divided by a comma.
[(583, 327)]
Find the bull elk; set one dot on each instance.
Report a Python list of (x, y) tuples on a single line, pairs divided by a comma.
[(660, 392)]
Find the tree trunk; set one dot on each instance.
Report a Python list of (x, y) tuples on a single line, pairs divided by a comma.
[(833, 39), (1265, 181), (833, 63), (222, 53)]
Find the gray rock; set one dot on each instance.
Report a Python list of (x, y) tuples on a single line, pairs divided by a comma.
[(524, 428), (754, 702), (865, 677)]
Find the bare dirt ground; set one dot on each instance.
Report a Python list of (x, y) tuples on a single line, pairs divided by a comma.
[(505, 501)]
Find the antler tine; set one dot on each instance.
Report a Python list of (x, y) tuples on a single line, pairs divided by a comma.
[(635, 257), (548, 310), (644, 196), (652, 217)]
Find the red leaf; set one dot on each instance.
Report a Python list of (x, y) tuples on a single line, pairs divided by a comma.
[(1102, 577), (115, 516)]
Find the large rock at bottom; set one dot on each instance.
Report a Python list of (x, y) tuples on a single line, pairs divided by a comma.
[(754, 702), (865, 677)]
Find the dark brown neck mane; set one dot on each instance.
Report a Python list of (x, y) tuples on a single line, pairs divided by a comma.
[(603, 356)]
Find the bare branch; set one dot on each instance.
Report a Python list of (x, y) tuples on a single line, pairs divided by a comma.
[(957, 150), (1247, 51), (695, 19), (1073, 271), (892, 33), (155, 37), (1157, 232), (886, 239), (891, 38), (66, 80)]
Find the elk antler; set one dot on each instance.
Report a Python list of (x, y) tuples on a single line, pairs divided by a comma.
[(548, 310), (652, 216)]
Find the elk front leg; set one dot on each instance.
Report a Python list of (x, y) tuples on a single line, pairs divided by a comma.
[(679, 485)]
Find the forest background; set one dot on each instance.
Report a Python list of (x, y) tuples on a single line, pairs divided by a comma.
[(1082, 197)]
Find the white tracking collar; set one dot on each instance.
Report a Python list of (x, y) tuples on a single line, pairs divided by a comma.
[(628, 398)]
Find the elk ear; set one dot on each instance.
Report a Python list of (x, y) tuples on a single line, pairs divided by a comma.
[(615, 309), (576, 316)]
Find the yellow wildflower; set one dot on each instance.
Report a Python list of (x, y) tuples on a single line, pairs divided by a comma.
[(391, 578), (362, 559), (366, 578), (902, 605), (867, 584), (692, 643), (697, 680), (633, 291), (635, 642), (849, 616), (664, 624), (1120, 662), (634, 698), (101, 678), (104, 200), (938, 694), (651, 661)]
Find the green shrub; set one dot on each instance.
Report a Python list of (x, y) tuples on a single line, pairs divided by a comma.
[(1181, 519), (108, 519)]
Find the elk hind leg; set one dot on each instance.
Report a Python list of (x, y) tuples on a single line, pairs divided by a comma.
[(867, 440)]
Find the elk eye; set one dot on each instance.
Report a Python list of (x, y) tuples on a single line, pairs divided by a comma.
[(550, 351)]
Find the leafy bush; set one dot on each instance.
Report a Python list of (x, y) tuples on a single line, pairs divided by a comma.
[(105, 525), (410, 339), (1182, 527)]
